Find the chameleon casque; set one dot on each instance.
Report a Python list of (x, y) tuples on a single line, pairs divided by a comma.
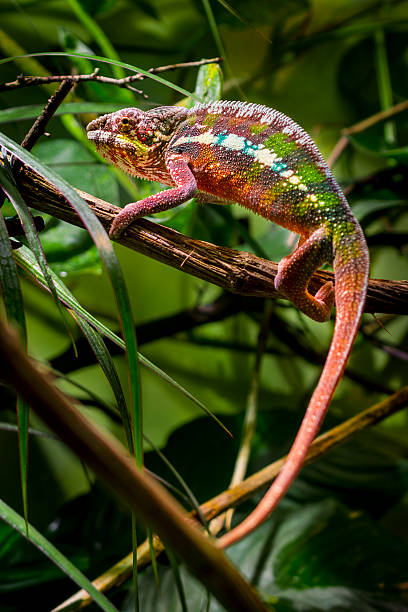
[(263, 160)]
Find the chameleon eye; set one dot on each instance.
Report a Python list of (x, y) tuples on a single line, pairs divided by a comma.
[(124, 124)]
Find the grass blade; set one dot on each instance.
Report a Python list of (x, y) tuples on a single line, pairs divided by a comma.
[(27, 262), (177, 579), (35, 537), (13, 302), (107, 253), (109, 369)]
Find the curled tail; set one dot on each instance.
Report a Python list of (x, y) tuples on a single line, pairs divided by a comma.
[(351, 269)]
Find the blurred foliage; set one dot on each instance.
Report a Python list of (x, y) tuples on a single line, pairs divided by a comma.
[(339, 540)]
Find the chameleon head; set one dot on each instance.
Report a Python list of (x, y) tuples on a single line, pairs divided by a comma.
[(133, 139)]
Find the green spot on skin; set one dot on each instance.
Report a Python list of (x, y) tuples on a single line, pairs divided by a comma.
[(192, 119), (280, 145), (309, 173), (253, 172), (277, 189), (330, 200), (210, 120), (257, 128)]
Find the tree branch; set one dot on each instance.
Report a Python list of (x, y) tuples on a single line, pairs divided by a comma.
[(236, 271), (234, 496), (28, 81), (149, 500), (38, 127)]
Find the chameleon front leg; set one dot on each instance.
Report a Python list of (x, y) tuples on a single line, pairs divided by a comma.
[(295, 271), (186, 188)]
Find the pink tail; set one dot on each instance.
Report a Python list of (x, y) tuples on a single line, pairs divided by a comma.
[(351, 266)]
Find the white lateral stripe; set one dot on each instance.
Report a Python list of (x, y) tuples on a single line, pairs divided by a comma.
[(233, 142)]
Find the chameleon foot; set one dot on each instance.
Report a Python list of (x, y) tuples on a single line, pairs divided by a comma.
[(325, 296)]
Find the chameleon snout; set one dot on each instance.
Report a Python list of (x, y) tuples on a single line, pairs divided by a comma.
[(97, 124)]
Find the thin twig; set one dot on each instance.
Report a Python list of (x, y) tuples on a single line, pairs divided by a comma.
[(39, 125), (341, 144), (373, 119), (28, 81), (234, 496), (343, 141)]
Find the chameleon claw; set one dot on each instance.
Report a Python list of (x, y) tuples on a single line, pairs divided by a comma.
[(115, 231)]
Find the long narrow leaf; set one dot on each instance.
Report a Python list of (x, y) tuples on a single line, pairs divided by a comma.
[(35, 537), (9, 282), (99, 36), (30, 231), (108, 367), (27, 262), (107, 253), (13, 302), (177, 579)]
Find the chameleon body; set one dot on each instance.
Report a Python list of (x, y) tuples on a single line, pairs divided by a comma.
[(263, 160)]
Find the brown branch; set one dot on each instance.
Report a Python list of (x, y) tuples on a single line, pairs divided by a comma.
[(236, 271), (39, 125), (149, 500), (234, 496), (343, 141), (28, 81), (380, 116)]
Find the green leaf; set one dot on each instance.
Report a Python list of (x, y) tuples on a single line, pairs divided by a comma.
[(13, 302), (77, 165), (27, 262), (208, 85), (30, 231), (109, 258), (308, 551), (109, 369), (9, 282), (17, 522), (323, 557)]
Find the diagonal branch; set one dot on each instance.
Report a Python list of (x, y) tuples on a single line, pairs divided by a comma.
[(236, 271), (239, 493), (149, 500)]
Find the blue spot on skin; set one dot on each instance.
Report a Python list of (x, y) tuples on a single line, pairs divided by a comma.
[(221, 137), (279, 167)]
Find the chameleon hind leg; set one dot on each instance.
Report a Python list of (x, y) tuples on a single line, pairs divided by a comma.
[(295, 271)]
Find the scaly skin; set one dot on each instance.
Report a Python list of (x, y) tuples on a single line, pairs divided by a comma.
[(261, 159)]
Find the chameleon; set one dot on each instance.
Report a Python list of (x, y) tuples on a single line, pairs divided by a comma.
[(245, 153)]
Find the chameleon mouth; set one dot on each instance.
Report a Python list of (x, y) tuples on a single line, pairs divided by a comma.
[(101, 136), (104, 138)]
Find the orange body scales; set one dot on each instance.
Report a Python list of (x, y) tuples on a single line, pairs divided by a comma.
[(263, 160)]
